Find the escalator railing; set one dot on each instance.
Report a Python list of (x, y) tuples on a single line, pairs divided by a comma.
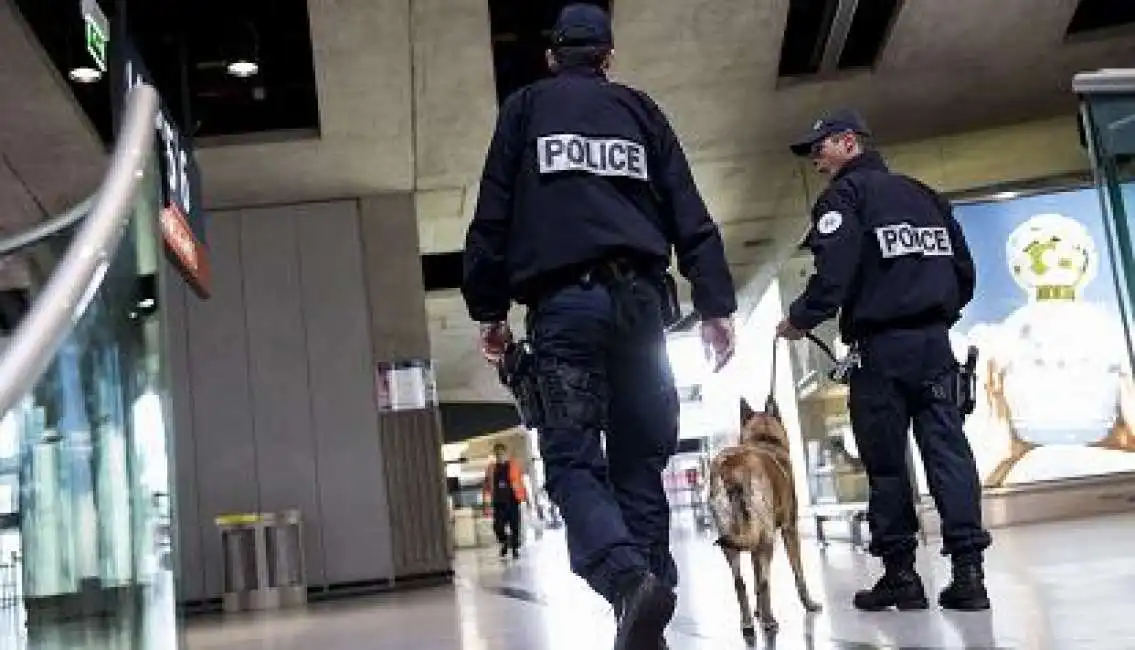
[(46, 229), (80, 271)]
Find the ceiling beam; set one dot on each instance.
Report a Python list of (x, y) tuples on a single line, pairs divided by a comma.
[(837, 37)]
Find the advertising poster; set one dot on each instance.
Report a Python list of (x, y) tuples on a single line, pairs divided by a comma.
[(1055, 393)]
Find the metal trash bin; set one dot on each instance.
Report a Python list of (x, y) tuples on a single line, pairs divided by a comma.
[(263, 560)]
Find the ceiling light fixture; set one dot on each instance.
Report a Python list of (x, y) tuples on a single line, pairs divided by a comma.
[(85, 74), (1005, 196), (243, 68)]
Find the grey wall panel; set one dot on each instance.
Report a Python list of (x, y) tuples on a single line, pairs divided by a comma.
[(222, 419), (411, 444), (411, 441), (172, 301), (278, 370), (356, 523), (399, 324)]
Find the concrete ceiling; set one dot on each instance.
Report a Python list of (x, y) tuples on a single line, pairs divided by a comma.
[(50, 158), (407, 103)]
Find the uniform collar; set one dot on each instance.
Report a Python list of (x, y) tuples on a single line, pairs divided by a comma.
[(580, 71), (866, 160)]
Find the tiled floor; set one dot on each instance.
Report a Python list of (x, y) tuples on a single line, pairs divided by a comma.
[(1061, 586)]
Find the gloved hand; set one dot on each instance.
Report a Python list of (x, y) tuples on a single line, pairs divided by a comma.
[(718, 340)]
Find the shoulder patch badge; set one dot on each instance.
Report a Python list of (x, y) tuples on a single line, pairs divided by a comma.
[(829, 223)]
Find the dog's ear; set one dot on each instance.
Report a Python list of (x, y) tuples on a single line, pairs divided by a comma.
[(747, 412)]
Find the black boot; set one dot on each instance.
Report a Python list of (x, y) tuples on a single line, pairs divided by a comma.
[(900, 587), (661, 639), (966, 591), (643, 612)]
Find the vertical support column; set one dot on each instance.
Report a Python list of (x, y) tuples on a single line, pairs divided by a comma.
[(411, 440)]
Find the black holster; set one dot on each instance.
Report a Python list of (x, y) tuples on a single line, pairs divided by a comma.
[(966, 387), (517, 371), (671, 307)]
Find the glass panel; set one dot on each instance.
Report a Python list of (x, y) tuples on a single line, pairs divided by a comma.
[(1110, 124), (85, 557), (835, 473)]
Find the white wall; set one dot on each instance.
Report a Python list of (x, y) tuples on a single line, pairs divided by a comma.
[(756, 336)]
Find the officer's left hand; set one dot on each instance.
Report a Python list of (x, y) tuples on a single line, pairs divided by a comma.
[(787, 330), (495, 337)]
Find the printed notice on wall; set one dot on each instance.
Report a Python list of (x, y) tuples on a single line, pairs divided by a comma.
[(406, 385)]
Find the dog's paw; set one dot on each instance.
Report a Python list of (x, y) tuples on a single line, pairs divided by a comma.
[(812, 606), (770, 626)]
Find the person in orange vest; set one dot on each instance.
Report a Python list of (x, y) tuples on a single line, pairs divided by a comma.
[(504, 490)]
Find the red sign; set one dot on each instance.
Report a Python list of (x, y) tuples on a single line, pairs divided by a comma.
[(190, 256)]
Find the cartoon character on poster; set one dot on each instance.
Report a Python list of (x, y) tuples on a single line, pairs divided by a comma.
[(1059, 400)]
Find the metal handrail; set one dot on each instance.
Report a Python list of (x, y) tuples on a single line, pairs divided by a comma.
[(1106, 81), (45, 229), (78, 275)]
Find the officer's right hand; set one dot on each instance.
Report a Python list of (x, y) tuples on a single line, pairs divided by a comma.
[(719, 341), (495, 338)]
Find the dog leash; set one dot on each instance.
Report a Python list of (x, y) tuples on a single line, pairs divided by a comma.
[(824, 347), (771, 406)]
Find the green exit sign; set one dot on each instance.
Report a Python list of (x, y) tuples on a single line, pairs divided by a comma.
[(97, 31), (96, 44)]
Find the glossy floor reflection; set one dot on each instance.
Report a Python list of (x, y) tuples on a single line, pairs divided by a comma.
[(1067, 585)]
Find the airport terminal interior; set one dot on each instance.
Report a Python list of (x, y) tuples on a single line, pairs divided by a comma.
[(243, 407)]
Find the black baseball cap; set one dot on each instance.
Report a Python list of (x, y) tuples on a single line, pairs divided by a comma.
[(835, 122), (582, 24)]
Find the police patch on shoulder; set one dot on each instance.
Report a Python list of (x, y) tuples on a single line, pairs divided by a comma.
[(829, 223)]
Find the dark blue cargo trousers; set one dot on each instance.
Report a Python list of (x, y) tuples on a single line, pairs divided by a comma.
[(906, 378), (610, 426)]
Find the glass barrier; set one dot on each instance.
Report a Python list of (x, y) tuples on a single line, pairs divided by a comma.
[(835, 474), (1109, 122), (86, 511)]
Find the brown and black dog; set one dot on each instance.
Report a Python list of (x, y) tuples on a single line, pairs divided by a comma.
[(751, 497)]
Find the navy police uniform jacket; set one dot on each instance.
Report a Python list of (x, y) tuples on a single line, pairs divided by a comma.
[(888, 252), (581, 170)]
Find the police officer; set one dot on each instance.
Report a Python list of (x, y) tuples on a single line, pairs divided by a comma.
[(585, 190), (891, 259)]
